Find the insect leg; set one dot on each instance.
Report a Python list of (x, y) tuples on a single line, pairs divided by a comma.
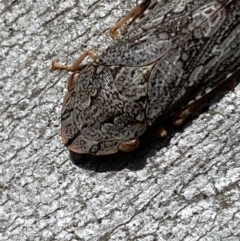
[(180, 116), (229, 85), (157, 131), (127, 146), (136, 12), (75, 66)]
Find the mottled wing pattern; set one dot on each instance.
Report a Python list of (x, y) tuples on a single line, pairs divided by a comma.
[(190, 45), (160, 28), (198, 63), (173, 54)]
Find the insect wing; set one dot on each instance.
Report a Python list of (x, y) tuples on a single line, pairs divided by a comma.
[(192, 46)]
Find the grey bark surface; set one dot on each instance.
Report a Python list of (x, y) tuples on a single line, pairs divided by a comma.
[(185, 187)]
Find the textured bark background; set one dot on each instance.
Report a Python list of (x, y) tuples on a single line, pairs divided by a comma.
[(185, 187)]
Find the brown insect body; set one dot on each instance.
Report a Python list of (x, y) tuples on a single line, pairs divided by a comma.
[(169, 57)]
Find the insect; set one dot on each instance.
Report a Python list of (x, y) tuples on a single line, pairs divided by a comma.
[(166, 56)]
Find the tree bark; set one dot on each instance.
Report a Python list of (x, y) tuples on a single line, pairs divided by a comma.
[(184, 187)]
